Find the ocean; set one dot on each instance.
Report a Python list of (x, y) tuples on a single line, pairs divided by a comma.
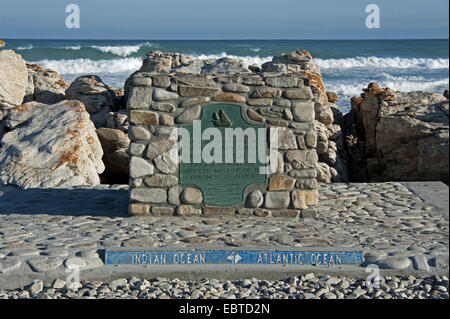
[(347, 66)]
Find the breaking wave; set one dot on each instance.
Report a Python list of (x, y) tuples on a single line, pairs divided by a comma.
[(28, 47), (76, 47), (397, 83), (383, 63), (87, 66), (124, 50)]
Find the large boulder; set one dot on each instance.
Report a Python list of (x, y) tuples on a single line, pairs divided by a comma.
[(115, 144), (157, 61), (44, 85), (397, 136), (13, 80), (50, 146), (99, 98)]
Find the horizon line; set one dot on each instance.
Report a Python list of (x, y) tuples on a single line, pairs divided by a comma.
[(229, 39)]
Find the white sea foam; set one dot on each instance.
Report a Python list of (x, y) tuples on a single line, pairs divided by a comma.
[(383, 63), (348, 63), (76, 47), (28, 47), (400, 83), (124, 50), (87, 66)]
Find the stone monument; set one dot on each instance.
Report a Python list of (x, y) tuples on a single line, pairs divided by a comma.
[(234, 143)]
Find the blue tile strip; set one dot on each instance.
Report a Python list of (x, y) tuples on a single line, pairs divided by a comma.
[(321, 258), (168, 257), (238, 257)]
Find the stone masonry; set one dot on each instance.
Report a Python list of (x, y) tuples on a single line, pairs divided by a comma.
[(159, 102)]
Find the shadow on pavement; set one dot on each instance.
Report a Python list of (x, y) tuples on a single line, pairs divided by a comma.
[(74, 202)]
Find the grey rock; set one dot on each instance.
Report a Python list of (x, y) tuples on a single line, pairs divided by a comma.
[(93, 93), (161, 81), (67, 153), (140, 97), (309, 276), (36, 287), (159, 145), (304, 93), (394, 263), (374, 256), (44, 264), (140, 80), (174, 195), (303, 111), (237, 88), (188, 115), (195, 67), (165, 164), (139, 133), (420, 262), (163, 107), (282, 81), (286, 139), (140, 167), (24, 252), (56, 252), (161, 180), (117, 120), (277, 199), (163, 95), (283, 239), (58, 284), (441, 261), (411, 125), (191, 195), (118, 283), (153, 195), (246, 283), (8, 264), (44, 85), (254, 199), (75, 263), (225, 65), (137, 149), (158, 62), (13, 80)]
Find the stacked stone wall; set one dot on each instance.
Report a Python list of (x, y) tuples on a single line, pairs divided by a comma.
[(158, 103)]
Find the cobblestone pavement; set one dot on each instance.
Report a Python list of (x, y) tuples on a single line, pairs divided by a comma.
[(45, 230)]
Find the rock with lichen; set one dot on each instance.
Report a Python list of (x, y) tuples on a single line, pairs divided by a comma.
[(99, 98), (13, 80), (50, 146), (44, 85), (398, 136)]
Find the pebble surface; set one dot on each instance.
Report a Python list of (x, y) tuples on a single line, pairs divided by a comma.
[(304, 287), (392, 225)]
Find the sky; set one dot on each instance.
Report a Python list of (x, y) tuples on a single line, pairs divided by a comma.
[(224, 19)]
